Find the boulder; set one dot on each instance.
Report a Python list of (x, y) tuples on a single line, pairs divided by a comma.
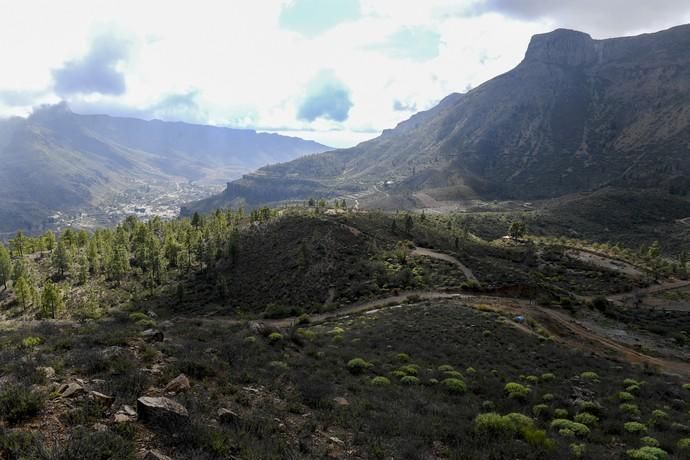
[(155, 455), (152, 335), (69, 390), (178, 385), (228, 417), (340, 401), (162, 412), (102, 399), (49, 372)]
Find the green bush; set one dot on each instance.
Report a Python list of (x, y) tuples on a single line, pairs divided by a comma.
[(647, 453), (275, 337), (540, 409), (453, 375), (586, 419), (495, 424), (409, 380), (684, 444), (380, 381), (445, 368), (404, 357), (686, 386), (548, 397), (658, 414), (547, 377), (560, 413), (589, 375), (577, 428), (515, 390), (632, 388), (630, 409), (537, 438), (471, 371), (358, 365), (31, 342), (629, 382), (578, 450), (625, 396), (649, 441), (634, 427), (18, 403), (138, 316), (454, 385), (410, 369)]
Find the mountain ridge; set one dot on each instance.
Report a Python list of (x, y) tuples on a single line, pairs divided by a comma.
[(576, 114)]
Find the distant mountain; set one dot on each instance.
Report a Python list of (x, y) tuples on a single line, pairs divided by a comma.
[(56, 160), (577, 114)]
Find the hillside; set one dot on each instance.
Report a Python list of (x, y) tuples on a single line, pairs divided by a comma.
[(56, 160), (575, 115), (312, 332)]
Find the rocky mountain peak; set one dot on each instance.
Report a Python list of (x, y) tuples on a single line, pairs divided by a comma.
[(562, 47)]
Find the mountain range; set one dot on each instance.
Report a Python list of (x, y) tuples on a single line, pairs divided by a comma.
[(576, 115), (55, 160)]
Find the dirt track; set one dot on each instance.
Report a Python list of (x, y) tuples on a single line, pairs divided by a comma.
[(448, 258)]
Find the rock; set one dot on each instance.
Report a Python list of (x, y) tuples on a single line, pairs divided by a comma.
[(49, 372), (152, 335), (257, 327), (228, 417), (69, 390), (178, 384), (122, 418), (340, 401), (336, 440), (129, 410), (162, 412), (151, 314), (155, 455), (102, 399), (99, 427)]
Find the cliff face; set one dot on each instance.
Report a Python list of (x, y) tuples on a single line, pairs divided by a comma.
[(575, 115)]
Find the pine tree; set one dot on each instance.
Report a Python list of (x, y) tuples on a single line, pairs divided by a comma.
[(22, 289), (52, 302), (62, 258), (5, 266)]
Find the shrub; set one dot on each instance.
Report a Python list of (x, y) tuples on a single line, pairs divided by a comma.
[(336, 331), (629, 382), (649, 441), (634, 427), (380, 381), (138, 316), (18, 403), (589, 375), (404, 357), (454, 385), (578, 450), (547, 377), (30, 342), (625, 396), (409, 380), (659, 414), (515, 390), (445, 368), (647, 453), (532, 379), (304, 319), (540, 409), (471, 371), (630, 409), (358, 365), (577, 428), (591, 407), (537, 438), (560, 413), (586, 418), (275, 337), (686, 386), (453, 375), (566, 433), (410, 369), (548, 397), (85, 445), (632, 388), (684, 443), (493, 423)]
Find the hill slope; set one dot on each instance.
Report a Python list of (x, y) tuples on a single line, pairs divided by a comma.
[(575, 115), (58, 160)]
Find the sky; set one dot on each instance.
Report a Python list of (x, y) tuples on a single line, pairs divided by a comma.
[(335, 71)]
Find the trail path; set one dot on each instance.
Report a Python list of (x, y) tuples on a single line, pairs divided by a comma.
[(448, 258)]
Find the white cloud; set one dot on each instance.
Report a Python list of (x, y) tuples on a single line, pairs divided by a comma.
[(231, 63)]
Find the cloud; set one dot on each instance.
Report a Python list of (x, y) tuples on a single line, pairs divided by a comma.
[(96, 72), (600, 18), (327, 97), (21, 98), (415, 43), (313, 17), (400, 106)]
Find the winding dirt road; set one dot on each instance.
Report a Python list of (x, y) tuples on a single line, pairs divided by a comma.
[(426, 252)]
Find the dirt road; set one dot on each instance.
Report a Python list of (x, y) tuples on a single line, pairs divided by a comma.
[(425, 252)]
